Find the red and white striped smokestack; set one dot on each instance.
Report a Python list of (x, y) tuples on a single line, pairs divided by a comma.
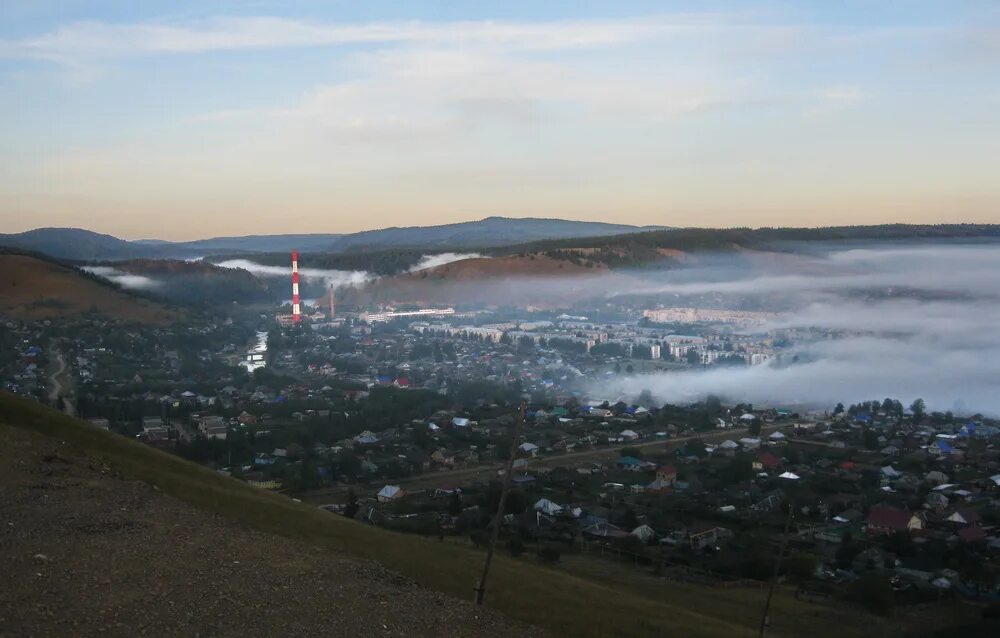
[(296, 308)]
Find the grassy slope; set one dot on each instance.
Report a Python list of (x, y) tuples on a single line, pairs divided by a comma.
[(562, 602), (33, 288)]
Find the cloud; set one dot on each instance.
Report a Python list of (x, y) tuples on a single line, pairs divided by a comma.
[(334, 278), (123, 279), (433, 261), (97, 39)]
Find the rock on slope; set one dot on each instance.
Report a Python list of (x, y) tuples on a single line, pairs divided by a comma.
[(84, 551)]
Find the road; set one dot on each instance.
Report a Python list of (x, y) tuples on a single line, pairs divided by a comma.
[(57, 387), (434, 479)]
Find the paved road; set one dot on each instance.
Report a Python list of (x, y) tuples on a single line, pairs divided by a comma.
[(484, 471)]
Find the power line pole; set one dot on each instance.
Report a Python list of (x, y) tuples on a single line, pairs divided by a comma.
[(765, 619), (495, 535)]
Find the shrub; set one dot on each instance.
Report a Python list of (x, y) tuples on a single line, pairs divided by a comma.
[(515, 546)]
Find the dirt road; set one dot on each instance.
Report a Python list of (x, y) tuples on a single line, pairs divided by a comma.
[(56, 390)]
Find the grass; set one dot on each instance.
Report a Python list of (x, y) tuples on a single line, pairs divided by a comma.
[(580, 599)]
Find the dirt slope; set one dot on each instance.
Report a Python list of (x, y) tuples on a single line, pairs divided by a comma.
[(84, 552), (32, 288)]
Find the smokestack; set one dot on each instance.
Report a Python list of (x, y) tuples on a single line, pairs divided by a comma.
[(333, 305), (296, 308)]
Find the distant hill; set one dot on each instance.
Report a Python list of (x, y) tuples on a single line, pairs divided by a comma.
[(491, 231), (84, 245), (37, 288), (76, 244), (250, 243)]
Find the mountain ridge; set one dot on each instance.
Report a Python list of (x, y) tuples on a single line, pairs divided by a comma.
[(85, 245)]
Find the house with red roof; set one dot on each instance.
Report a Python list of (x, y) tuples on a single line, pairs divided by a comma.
[(666, 473), (766, 461), (883, 519)]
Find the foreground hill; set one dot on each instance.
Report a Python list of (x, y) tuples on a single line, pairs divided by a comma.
[(36, 288), (88, 551), (105, 524)]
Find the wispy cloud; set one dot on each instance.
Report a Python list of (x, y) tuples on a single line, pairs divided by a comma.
[(98, 39)]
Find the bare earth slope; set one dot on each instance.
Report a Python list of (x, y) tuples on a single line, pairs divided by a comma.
[(84, 551)]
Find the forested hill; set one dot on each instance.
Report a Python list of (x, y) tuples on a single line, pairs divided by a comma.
[(638, 249)]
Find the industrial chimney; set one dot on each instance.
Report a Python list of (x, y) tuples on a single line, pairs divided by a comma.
[(296, 308)]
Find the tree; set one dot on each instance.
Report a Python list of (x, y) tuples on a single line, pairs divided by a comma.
[(515, 546), (870, 438), (918, 408), (801, 566), (839, 409), (739, 468), (629, 520), (847, 551), (351, 509), (693, 357), (874, 591), (754, 429), (455, 504), (549, 555), (695, 447)]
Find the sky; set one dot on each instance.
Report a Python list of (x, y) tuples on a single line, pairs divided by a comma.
[(190, 119)]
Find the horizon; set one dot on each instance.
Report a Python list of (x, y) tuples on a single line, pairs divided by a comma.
[(183, 120), (637, 229)]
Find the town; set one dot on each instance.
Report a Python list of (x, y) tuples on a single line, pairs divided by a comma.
[(405, 421)]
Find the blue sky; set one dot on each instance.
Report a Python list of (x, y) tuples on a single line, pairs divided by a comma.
[(190, 119)]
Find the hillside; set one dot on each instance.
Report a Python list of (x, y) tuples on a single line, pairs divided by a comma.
[(77, 480), (534, 279), (633, 249), (195, 283), (36, 288), (98, 553)]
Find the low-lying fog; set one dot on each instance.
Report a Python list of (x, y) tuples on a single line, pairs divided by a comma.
[(335, 278), (917, 321), (123, 279)]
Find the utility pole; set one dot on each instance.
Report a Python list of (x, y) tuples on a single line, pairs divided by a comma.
[(765, 619), (495, 535)]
